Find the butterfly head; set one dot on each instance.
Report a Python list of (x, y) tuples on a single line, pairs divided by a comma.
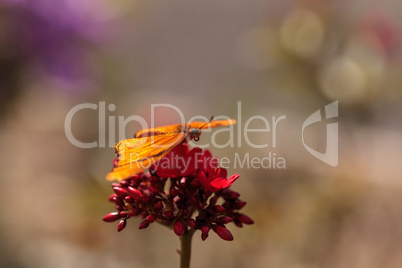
[(195, 133)]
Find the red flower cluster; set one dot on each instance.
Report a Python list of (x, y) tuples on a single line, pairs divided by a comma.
[(183, 183)]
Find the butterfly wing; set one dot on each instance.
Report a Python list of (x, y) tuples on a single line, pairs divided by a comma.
[(135, 155), (182, 127), (212, 124), (159, 130)]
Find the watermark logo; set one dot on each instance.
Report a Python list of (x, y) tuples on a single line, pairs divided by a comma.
[(257, 132), (330, 156)]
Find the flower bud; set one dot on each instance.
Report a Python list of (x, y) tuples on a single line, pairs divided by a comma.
[(111, 217), (173, 191), (245, 219), (204, 236), (238, 223), (204, 232), (190, 223), (229, 194), (123, 214), (223, 233), (240, 204), (134, 193), (143, 225), (135, 212), (213, 200), (195, 183), (154, 179), (219, 209), (124, 183), (150, 218), (120, 208), (112, 197), (168, 214), (129, 199), (134, 178), (152, 190), (120, 192), (205, 229), (178, 228), (159, 206), (225, 220), (185, 212), (121, 225), (119, 202)]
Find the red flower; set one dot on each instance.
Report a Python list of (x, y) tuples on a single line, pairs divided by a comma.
[(207, 162), (185, 190), (178, 162), (182, 161), (215, 179)]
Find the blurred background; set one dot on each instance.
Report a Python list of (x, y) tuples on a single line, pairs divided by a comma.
[(277, 58)]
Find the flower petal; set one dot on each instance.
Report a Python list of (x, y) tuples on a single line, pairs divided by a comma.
[(233, 178), (208, 162), (217, 173), (204, 181), (221, 183), (179, 162)]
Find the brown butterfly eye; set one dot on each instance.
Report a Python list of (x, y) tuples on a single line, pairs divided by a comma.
[(195, 132)]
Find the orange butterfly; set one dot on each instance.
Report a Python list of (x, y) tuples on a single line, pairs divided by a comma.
[(150, 145)]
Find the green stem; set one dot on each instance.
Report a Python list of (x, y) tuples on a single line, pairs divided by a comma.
[(185, 251)]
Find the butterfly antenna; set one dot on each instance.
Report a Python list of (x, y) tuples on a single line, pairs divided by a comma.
[(210, 120)]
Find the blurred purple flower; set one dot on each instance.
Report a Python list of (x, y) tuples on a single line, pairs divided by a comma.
[(53, 37)]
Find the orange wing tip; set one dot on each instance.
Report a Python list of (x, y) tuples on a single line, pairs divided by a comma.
[(225, 122), (112, 177), (222, 123)]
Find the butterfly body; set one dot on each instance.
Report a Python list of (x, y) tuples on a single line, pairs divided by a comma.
[(150, 145), (192, 132)]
